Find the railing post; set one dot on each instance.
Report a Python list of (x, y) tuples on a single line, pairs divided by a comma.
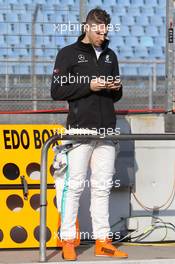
[(43, 196)]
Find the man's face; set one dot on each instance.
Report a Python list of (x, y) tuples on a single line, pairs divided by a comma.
[(96, 33)]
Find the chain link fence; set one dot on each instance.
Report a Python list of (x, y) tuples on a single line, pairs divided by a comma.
[(140, 92)]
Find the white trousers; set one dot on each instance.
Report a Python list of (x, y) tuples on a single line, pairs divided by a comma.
[(100, 157)]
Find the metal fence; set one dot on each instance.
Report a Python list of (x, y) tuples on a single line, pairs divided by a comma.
[(32, 92)]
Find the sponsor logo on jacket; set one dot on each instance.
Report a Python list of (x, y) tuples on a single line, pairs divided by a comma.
[(81, 58), (107, 59)]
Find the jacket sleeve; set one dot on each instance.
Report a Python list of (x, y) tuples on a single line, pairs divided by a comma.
[(116, 95), (63, 87)]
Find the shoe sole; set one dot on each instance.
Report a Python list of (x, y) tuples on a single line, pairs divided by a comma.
[(110, 256)]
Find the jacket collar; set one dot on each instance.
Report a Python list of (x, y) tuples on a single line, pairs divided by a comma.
[(88, 46)]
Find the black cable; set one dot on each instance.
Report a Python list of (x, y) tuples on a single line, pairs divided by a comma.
[(149, 232), (136, 216), (146, 234), (160, 221)]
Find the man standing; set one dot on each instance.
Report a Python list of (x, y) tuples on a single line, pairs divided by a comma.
[(86, 74)]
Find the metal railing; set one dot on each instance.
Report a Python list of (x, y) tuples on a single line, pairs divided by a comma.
[(44, 158)]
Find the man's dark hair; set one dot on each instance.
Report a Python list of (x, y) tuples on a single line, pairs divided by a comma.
[(98, 16)]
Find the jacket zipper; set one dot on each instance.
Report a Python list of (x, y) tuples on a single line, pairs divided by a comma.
[(97, 65)]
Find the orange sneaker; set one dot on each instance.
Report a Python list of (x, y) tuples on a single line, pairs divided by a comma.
[(105, 248), (68, 251)]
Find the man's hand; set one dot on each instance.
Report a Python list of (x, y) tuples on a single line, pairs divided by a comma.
[(115, 85), (99, 84)]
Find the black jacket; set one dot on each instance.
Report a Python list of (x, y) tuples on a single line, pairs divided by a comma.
[(87, 109)]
